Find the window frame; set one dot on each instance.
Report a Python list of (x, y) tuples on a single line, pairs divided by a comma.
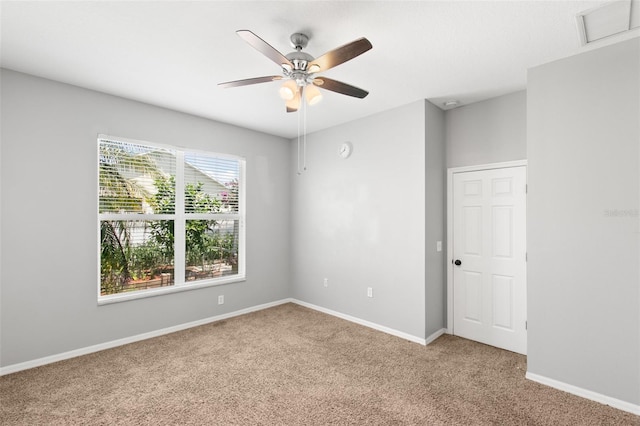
[(180, 218)]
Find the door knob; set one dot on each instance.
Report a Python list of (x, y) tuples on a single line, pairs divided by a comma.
[(457, 262)]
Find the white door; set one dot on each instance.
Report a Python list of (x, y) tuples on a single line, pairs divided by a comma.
[(489, 257)]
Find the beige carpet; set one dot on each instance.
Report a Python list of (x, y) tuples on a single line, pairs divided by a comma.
[(290, 365)]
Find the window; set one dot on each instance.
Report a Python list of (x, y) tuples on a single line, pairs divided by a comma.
[(170, 219)]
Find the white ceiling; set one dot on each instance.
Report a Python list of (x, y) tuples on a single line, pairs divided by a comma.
[(173, 54)]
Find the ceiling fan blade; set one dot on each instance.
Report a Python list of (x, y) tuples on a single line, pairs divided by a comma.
[(248, 81), (340, 55), (340, 87), (293, 105), (265, 48)]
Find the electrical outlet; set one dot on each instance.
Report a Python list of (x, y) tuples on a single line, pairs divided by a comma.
[(369, 292), (326, 282), (221, 299)]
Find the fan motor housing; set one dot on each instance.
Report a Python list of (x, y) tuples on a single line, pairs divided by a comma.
[(300, 60)]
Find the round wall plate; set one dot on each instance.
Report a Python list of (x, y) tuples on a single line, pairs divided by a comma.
[(345, 149)]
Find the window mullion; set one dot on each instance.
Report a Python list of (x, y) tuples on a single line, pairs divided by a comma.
[(179, 225), (134, 216), (242, 212)]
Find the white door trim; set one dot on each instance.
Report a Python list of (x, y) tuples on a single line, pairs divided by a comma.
[(450, 172)]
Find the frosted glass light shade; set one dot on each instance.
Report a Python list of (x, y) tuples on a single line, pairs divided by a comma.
[(294, 104), (312, 94), (288, 90)]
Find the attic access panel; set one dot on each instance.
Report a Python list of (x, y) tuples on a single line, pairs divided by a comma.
[(604, 21)]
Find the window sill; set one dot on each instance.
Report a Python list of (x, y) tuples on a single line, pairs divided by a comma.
[(143, 294)]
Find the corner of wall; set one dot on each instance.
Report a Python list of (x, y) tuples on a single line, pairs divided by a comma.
[(435, 219)]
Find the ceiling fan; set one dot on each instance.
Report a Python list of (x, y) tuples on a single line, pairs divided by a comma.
[(299, 69)]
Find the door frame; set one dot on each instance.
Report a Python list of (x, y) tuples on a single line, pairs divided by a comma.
[(450, 172)]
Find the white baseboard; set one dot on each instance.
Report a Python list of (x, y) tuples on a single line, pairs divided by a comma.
[(435, 335), (584, 393), (119, 342), (369, 324)]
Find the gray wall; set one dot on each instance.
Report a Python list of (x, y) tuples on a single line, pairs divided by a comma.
[(49, 217), (360, 222), (435, 212), (490, 131), (583, 227)]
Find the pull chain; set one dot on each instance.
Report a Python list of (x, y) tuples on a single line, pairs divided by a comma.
[(302, 138), (298, 154), (304, 142)]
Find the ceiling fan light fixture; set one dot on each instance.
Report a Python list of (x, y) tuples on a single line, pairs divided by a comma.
[(298, 68), (312, 94), (288, 90)]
